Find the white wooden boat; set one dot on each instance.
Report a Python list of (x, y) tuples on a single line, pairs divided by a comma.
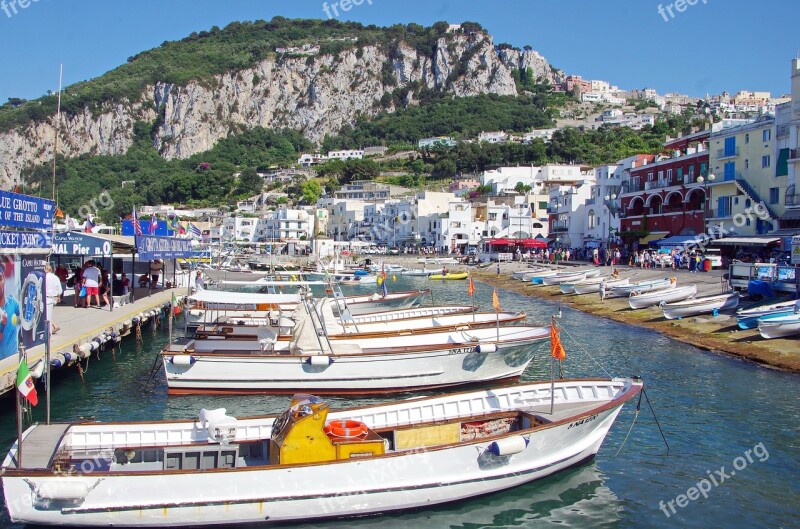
[(704, 305), (779, 327), (592, 286), (557, 279), (420, 272), (642, 286), (350, 365), (437, 260), (749, 318), (357, 305), (368, 280), (308, 462), (528, 274), (539, 278), (666, 295)]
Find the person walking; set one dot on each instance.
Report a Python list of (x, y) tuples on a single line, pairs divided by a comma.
[(602, 291), (52, 292), (199, 282)]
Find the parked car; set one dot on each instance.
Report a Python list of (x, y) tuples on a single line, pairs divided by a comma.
[(394, 250), (714, 256)]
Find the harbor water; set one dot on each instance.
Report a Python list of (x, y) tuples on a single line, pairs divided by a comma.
[(728, 422)]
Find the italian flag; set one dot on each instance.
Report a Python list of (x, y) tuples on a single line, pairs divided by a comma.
[(25, 383)]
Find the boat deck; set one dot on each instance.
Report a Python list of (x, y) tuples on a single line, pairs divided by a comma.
[(39, 446), (561, 411)]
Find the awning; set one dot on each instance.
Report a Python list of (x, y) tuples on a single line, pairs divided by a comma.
[(746, 241), (527, 243), (653, 236), (219, 297), (681, 240), (92, 244), (500, 242)]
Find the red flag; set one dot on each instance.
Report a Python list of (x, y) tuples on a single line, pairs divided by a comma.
[(557, 350), (495, 301), (470, 287), (59, 214)]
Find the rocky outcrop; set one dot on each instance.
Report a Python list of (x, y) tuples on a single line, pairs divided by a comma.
[(316, 95)]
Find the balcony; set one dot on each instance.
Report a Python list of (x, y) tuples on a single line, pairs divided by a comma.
[(727, 153), (559, 227), (719, 213), (631, 187), (794, 155), (590, 202)]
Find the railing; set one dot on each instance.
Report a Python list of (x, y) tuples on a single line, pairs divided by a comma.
[(590, 202), (719, 213), (727, 153), (748, 190), (560, 226), (632, 187), (794, 155)]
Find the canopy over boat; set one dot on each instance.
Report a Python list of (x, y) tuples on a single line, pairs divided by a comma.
[(218, 297)]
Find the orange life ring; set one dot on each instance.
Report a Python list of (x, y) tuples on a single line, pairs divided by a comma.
[(346, 429)]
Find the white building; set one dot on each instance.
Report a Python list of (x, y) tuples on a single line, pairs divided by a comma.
[(307, 160), (286, 225), (505, 179), (493, 137), (346, 155), (538, 134)]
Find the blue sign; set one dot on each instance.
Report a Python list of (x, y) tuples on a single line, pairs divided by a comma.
[(149, 247), (23, 211), (77, 243), (21, 240), (161, 228)]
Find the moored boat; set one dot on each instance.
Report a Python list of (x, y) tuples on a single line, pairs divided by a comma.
[(419, 272), (779, 327), (571, 277), (666, 295), (749, 318), (310, 461), (592, 286), (703, 305)]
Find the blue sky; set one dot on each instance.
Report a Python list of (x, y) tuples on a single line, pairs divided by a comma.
[(711, 46)]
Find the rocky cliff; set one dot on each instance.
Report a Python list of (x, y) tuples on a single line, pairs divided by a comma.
[(314, 94)]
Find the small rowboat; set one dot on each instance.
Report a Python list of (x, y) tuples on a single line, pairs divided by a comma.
[(539, 278), (527, 275), (452, 276), (557, 279), (641, 287), (704, 305), (749, 318), (423, 272), (779, 327), (666, 295), (592, 286)]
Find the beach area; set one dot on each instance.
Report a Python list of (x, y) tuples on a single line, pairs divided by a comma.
[(718, 334)]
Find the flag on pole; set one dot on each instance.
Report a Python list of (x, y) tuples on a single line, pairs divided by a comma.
[(153, 224), (137, 227), (557, 350), (495, 301), (88, 225), (470, 287), (25, 383), (59, 214), (194, 230)]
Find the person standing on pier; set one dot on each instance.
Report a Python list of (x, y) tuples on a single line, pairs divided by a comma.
[(603, 291), (9, 318), (52, 292), (91, 280), (155, 270)]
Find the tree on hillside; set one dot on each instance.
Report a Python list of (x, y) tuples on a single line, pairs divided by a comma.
[(311, 191), (249, 183)]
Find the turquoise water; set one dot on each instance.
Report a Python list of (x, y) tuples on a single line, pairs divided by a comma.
[(711, 407)]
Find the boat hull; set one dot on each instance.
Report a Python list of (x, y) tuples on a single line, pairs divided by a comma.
[(592, 286), (355, 373), (779, 327), (667, 295), (673, 311), (749, 318), (641, 287), (399, 480)]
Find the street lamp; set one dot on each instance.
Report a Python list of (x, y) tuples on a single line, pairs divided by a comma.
[(705, 182), (609, 198)]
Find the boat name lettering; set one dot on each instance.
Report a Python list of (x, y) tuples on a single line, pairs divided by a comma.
[(582, 421), (462, 350)]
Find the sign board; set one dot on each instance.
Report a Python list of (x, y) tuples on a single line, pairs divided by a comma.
[(150, 247), (23, 211), (24, 309), (77, 243), (795, 250), (24, 240)]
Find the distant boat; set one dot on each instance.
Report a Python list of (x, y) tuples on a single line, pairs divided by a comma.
[(592, 286), (421, 272), (642, 286), (666, 295), (749, 318), (450, 276), (704, 305), (779, 327)]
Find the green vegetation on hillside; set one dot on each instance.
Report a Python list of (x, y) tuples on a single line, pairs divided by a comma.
[(205, 179), (205, 54)]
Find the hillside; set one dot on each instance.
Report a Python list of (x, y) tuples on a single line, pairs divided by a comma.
[(199, 90)]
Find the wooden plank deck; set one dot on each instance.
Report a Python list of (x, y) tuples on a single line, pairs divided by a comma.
[(40, 445)]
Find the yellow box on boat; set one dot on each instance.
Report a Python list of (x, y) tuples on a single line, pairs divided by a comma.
[(427, 436), (362, 448)]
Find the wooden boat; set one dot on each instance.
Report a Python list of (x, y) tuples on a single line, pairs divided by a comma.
[(749, 318), (779, 327), (592, 286), (666, 295), (539, 278), (350, 364), (437, 260), (421, 272), (557, 279), (527, 275), (309, 461), (450, 276), (641, 287), (704, 305)]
